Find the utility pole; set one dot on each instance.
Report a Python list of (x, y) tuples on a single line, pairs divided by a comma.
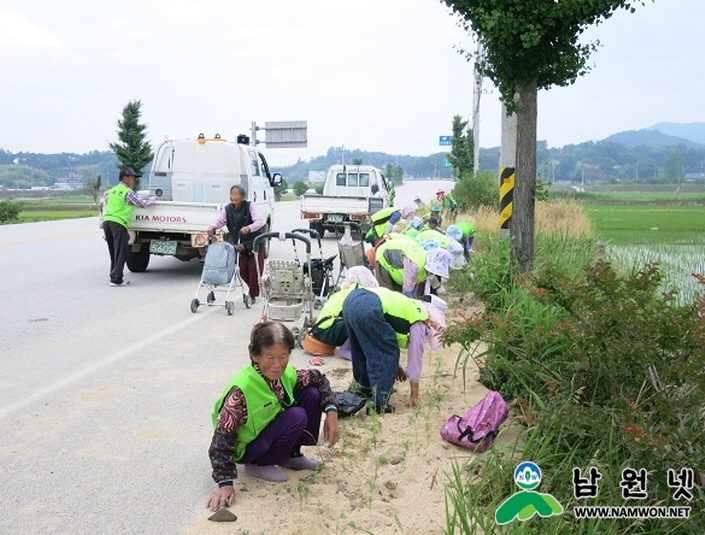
[(476, 111), (507, 170)]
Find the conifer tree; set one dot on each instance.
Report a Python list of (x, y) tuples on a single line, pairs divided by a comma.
[(132, 149)]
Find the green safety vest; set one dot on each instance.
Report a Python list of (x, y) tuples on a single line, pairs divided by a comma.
[(391, 253), (333, 307), (400, 312), (410, 231), (262, 404), (380, 220), (116, 207), (466, 228), (448, 201), (431, 234)]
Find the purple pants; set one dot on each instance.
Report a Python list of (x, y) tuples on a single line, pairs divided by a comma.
[(296, 426), (248, 270)]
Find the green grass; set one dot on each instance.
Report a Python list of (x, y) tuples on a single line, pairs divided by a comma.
[(50, 204), (648, 224), (32, 216), (56, 208)]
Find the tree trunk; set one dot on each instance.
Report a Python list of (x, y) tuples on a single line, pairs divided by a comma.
[(523, 216)]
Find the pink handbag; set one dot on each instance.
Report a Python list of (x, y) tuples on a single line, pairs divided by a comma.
[(477, 428)]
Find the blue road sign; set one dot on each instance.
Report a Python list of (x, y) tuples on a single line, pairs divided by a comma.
[(445, 140)]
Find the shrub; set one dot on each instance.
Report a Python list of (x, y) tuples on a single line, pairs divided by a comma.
[(300, 187), (604, 370), (475, 190), (9, 211)]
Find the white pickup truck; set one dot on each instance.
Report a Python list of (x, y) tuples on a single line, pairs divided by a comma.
[(191, 179), (350, 193)]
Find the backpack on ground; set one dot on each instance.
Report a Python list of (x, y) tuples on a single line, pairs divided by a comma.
[(477, 428)]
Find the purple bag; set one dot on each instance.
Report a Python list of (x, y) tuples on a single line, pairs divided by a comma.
[(477, 428)]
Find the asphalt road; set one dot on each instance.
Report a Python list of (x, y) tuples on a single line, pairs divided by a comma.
[(106, 393)]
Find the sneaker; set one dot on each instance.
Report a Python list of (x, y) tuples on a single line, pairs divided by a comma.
[(120, 284), (268, 473)]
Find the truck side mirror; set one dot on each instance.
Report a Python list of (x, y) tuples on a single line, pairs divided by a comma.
[(276, 180)]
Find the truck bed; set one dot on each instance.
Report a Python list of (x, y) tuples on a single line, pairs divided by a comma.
[(175, 217)]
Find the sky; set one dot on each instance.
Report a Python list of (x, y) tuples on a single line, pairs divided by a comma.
[(378, 75)]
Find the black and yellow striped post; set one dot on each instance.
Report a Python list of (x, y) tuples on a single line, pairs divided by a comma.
[(506, 199)]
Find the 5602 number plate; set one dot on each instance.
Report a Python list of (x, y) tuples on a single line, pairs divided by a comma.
[(162, 247)]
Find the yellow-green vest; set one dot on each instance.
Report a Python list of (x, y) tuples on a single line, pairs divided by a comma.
[(333, 307), (116, 209), (441, 239), (390, 256), (466, 228), (262, 404), (380, 220), (400, 312)]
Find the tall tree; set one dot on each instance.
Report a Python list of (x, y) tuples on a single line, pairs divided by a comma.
[(132, 149), (461, 155), (530, 46)]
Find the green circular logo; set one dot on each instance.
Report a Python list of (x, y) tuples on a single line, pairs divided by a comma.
[(527, 476)]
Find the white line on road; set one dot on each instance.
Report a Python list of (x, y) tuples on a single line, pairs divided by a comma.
[(89, 370)]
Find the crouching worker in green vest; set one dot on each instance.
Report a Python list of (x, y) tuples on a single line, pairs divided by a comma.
[(266, 413), (380, 322), (402, 264), (328, 332), (383, 222)]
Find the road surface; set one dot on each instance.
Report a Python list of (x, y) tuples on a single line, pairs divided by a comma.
[(106, 393)]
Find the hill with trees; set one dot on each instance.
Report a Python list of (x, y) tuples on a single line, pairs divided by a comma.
[(649, 155)]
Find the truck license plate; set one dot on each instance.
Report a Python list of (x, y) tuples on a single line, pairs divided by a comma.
[(162, 247), (335, 218)]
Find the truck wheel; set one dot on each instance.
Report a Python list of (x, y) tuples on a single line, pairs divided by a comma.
[(138, 262)]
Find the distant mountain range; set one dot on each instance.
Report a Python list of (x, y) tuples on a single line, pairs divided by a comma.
[(663, 134)]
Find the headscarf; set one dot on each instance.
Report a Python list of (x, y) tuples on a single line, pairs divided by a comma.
[(360, 275), (436, 323)]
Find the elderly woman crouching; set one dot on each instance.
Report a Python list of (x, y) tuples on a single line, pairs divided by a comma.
[(266, 413)]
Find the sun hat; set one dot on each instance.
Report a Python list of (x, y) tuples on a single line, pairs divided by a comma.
[(408, 211), (438, 262), (454, 231), (416, 223), (440, 190), (417, 198), (457, 260)]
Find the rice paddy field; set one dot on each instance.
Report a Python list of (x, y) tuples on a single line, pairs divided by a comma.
[(57, 208), (672, 235)]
